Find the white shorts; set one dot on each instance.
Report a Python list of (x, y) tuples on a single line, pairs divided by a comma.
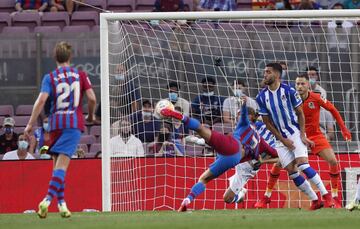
[(285, 155), (243, 172)]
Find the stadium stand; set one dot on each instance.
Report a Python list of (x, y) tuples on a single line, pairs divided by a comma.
[(6, 110), (55, 19), (23, 110)]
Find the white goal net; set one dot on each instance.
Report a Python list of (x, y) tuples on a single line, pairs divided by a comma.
[(147, 163)]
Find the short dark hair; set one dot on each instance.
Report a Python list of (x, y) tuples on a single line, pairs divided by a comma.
[(304, 75), (338, 4), (276, 66), (239, 82), (174, 84), (146, 101), (208, 79), (312, 68), (251, 111)]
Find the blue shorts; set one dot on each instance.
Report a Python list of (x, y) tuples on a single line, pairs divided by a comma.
[(224, 163), (64, 141)]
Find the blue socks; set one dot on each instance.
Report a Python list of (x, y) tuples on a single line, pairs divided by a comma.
[(307, 170), (55, 184), (196, 190)]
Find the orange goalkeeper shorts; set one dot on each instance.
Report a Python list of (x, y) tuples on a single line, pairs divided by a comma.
[(321, 143)]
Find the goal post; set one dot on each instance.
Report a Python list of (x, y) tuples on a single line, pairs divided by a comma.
[(141, 53)]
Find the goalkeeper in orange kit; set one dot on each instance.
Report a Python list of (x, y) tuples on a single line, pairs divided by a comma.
[(312, 103)]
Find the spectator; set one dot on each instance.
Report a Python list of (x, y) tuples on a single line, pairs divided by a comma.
[(34, 5), (164, 145), (232, 104), (98, 154), (146, 126), (207, 107), (168, 5), (352, 4), (308, 5), (176, 99), (283, 5), (285, 73), (215, 5), (42, 135), (8, 140), (22, 152), (80, 153), (313, 74), (62, 5), (123, 91), (338, 31), (125, 144)]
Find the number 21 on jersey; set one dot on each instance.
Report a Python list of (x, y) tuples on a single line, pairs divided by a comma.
[(64, 91)]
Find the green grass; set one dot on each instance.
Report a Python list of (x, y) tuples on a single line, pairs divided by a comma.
[(237, 219)]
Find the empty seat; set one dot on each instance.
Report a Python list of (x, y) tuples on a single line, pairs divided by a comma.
[(47, 29), (30, 20), (97, 3), (21, 120), (7, 6), (144, 5), (121, 6), (87, 139), (6, 110), (94, 148), (76, 29), (89, 18), (223, 127), (83, 147), (55, 19), (90, 155), (95, 131), (24, 110), (95, 29), (5, 20), (15, 30)]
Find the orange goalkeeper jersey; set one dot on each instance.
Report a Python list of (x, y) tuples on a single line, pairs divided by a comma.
[(311, 109)]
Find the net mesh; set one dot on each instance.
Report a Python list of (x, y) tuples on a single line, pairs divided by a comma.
[(145, 56)]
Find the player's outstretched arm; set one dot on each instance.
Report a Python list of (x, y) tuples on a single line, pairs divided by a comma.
[(38, 106), (335, 113)]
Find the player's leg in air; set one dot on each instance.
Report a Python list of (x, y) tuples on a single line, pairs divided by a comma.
[(63, 148), (228, 148), (355, 204)]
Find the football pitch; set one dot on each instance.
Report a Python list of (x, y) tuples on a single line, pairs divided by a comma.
[(264, 219)]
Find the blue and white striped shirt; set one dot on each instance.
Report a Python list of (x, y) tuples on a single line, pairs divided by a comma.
[(280, 106), (265, 133)]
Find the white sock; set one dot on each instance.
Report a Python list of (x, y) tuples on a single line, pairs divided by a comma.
[(357, 196), (316, 180), (306, 188)]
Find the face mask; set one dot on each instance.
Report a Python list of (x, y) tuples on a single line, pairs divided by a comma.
[(23, 144), (283, 74), (312, 81), (146, 114), (210, 93), (119, 77), (9, 130), (46, 126), (173, 96), (154, 22), (279, 5), (238, 92)]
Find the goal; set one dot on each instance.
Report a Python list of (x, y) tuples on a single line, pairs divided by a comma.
[(141, 53)]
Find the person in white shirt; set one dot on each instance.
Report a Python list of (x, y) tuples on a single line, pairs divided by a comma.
[(176, 99), (22, 153), (313, 74), (125, 144), (231, 104)]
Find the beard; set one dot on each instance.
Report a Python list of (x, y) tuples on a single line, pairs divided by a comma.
[(269, 81)]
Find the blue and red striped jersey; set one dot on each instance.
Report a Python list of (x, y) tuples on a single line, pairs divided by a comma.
[(66, 87)]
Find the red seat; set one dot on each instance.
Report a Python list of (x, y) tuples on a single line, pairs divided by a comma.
[(6, 110), (22, 110), (60, 19)]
